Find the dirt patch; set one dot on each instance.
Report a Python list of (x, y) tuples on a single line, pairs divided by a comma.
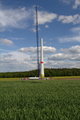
[(67, 78)]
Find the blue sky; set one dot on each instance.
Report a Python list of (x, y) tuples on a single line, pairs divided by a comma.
[(59, 26)]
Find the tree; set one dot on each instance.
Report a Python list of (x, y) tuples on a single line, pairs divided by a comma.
[(69, 73)]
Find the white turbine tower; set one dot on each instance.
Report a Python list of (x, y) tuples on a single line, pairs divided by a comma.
[(42, 63)]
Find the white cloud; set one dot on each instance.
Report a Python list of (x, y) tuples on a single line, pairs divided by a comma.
[(66, 1), (31, 58), (34, 30), (77, 3), (75, 49), (19, 56), (6, 55), (14, 18), (75, 19), (70, 39), (16, 61), (74, 38), (76, 29), (6, 41), (72, 54), (44, 16), (75, 58), (2, 30), (17, 38), (72, 50), (28, 49), (19, 61), (59, 56), (46, 49), (3, 50), (65, 56), (23, 9), (61, 64), (14, 65), (46, 26), (10, 65)]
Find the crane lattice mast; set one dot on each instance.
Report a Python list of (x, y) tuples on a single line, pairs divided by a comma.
[(37, 40)]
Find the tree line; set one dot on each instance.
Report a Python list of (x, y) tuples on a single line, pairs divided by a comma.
[(48, 73)]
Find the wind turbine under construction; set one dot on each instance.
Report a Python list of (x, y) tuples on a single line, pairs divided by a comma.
[(41, 69)]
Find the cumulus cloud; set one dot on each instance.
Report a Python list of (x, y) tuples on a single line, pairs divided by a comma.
[(18, 18), (20, 61), (61, 64), (75, 49), (77, 3), (16, 38), (72, 50), (72, 54), (17, 61), (31, 58), (2, 29), (44, 16), (75, 57), (46, 26), (74, 38), (76, 29), (6, 55), (75, 19), (10, 65), (28, 49), (14, 18), (23, 9), (70, 39), (59, 56), (34, 30), (6, 41), (46, 49), (66, 1), (64, 56)]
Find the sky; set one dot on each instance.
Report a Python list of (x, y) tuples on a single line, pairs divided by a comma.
[(58, 25)]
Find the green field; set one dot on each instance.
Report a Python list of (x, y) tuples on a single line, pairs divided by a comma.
[(10, 79), (39, 100), (19, 79), (68, 77)]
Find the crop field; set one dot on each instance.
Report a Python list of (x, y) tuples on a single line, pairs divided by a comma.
[(39, 99), (10, 79)]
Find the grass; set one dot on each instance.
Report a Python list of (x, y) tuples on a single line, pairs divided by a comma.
[(68, 77), (40, 100), (10, 79), (19, 79)]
